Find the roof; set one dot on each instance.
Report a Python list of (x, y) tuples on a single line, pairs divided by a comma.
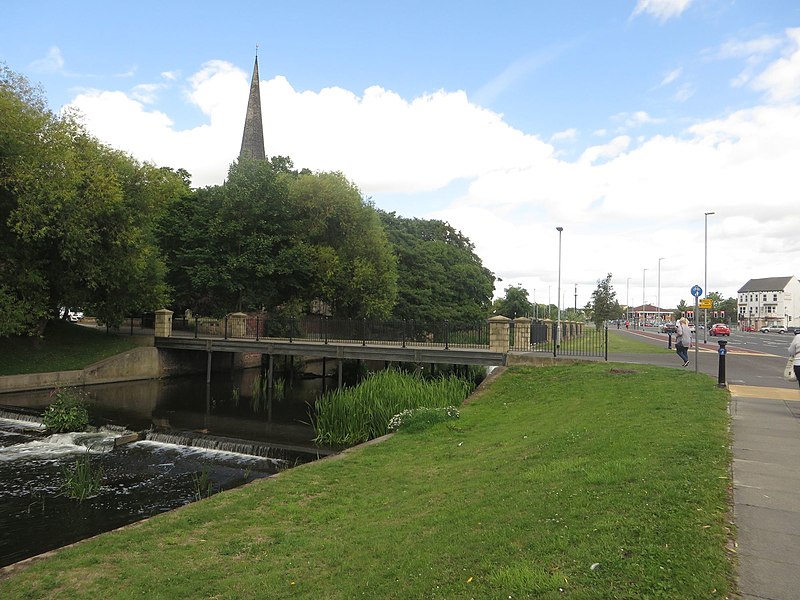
[(767, 284)]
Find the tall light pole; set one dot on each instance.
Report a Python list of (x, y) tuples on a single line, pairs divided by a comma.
[(658, 308), (644, 287), (558, 298), (705, 274), (628, 300)]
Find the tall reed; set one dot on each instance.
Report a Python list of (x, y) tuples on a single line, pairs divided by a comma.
[(354, 415)]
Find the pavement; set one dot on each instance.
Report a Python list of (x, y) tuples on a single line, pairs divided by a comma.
[(765, 423)]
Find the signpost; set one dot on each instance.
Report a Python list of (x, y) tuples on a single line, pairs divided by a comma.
[(697, 291)]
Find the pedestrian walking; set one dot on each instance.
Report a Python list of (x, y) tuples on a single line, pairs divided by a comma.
[(683, 340), (794, 355)]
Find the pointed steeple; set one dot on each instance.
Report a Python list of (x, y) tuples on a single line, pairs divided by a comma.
[(253, 136)]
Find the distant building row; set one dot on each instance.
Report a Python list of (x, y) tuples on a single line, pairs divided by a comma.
[(770, 301)]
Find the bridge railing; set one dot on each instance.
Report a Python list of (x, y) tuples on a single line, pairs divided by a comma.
[(324, 329)]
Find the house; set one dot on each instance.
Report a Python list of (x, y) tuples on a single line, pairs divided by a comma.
[(770, 301)]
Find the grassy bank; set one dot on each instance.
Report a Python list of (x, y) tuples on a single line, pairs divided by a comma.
[(583, 482), (65, 346), (620, 343)]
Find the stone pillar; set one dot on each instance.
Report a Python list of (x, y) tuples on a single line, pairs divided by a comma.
[(163, 323), (522, 334), (237, 325), (498, 334)]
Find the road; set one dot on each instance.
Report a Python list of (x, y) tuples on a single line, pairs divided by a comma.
[(753, 358)]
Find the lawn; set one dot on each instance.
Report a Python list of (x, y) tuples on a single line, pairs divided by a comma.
[(585, 482), (619, 343), (65, 346)]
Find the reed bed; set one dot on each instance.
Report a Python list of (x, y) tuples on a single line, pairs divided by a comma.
[(354, 415)]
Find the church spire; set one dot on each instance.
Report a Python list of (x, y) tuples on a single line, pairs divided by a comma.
[(253, 136)]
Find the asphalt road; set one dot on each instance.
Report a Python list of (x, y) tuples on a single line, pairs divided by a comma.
[(752, 358)]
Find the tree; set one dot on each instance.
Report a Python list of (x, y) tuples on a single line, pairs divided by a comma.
[(439, 275), (77, 219), (271, 237), (515, 303), (604, 303)]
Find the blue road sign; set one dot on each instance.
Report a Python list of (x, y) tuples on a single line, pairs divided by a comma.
[(697, 291)]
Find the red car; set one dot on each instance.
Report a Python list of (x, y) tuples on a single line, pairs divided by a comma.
[(719, 329)]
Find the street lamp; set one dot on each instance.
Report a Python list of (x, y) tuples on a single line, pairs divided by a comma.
[(658, 308), (705, 274), (644, 312), (558, 298), (628, 300)]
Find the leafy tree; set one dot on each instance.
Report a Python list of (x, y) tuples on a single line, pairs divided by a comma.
[(515, 303), (439, 275), (604, 302), (271, 237), (76, 218)]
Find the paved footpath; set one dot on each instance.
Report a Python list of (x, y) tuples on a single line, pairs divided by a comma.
[(766, 490), (765, 421)]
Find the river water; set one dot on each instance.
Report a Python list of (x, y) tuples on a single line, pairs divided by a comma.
[(193, 436)]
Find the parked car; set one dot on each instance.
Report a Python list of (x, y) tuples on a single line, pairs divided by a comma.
[(719, 329), (773, 329), (692, 328), (748, 328), (669, 328)]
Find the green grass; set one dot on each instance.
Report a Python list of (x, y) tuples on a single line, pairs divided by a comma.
[(65, 347), (547, 472), (624, 344)]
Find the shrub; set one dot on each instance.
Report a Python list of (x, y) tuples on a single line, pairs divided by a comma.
[(69, 412)]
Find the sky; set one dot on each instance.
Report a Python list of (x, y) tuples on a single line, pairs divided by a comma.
[(622, 121)]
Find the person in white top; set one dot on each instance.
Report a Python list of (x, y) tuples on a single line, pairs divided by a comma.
[(794, 352), (683, 340)]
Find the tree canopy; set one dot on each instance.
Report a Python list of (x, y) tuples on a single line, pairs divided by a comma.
[(515, 303), (77, 219), (274, 238), (439, 275), (604, 305)]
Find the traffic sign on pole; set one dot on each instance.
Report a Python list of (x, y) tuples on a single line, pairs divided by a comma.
[(706, 303), (697, 291)]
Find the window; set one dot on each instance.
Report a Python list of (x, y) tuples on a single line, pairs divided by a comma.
[(774, 297), (765, 297)]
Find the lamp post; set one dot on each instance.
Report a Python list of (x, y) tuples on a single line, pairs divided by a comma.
[(658, 302), (628, 300), (558, 298), (644, 312), (705, 273)]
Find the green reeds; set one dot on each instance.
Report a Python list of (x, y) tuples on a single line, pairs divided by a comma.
[(82, 480), (354, 415)]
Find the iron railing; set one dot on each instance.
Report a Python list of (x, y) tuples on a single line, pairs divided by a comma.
[(324, 329), (583, 339)]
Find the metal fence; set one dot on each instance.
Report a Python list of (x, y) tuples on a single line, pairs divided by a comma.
[(334, 330), (573, 339)]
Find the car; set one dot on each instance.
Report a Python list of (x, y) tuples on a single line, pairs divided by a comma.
[(669, 328), (692, 328), (773, 329), (719, 329)]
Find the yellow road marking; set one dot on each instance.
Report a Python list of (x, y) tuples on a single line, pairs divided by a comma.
[(770, 393)]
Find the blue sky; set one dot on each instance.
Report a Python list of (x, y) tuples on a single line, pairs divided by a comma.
[(622, 121)]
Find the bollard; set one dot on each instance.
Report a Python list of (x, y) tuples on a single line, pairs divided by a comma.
[(669, 341), (721, 373)]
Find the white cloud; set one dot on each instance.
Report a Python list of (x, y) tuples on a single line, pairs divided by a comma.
[(623, 204), (781, 80), (52, 62), (567, 134), (671, 76), (662, 10), (147, 92)]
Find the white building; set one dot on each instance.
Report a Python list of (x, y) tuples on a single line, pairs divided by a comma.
[(770, 301)]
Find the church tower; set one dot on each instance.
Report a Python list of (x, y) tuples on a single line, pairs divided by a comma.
[(253, 136)]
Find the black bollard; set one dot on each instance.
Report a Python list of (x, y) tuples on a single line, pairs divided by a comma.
[(669, 341), (721, 373)]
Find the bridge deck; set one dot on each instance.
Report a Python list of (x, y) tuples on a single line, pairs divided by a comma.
[(337, 350)]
